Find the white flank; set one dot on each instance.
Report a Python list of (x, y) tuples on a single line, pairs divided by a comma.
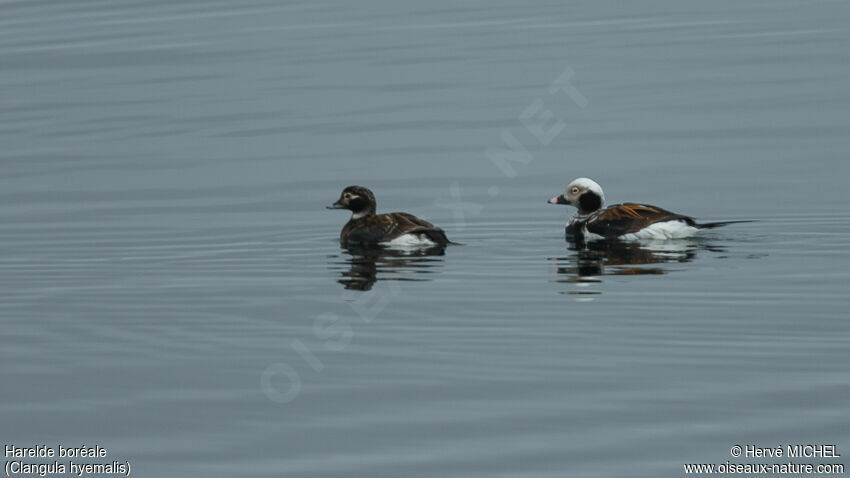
[(410, 241), (662, 230)]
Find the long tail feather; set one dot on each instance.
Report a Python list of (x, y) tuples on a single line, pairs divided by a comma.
[(710, 225)]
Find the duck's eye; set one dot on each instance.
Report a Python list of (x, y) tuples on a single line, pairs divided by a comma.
[(346, 196), (574, 191)]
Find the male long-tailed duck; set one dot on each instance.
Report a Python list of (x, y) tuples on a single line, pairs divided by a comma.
[(627, 221), (396, 229)]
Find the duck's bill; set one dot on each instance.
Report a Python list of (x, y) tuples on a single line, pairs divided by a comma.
[(336, 205), (558, 200)]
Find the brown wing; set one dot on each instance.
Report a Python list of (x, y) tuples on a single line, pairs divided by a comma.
[(627, 218), (386, 227)]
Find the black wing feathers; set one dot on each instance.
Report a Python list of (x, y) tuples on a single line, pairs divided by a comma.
[(386, 227), (629, 218)]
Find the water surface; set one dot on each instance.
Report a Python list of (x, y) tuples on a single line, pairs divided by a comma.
[(173, 288)]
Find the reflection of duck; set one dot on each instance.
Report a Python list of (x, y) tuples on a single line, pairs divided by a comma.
[(366, 265), (594, 259)]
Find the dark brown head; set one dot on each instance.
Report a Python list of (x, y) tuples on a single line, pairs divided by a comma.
[(359, 200)]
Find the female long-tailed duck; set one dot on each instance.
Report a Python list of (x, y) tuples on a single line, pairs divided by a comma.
[(627, 221), (396, 229)]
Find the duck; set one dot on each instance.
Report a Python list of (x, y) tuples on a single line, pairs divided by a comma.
[(627, 221), (395, 229)]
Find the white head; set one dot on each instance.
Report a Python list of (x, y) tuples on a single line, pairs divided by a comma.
[(583, 193)]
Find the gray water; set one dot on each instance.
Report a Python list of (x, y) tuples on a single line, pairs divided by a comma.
[(174, 291)]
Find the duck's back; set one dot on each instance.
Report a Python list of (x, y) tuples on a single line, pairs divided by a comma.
[(397, 228), (634, 221)]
